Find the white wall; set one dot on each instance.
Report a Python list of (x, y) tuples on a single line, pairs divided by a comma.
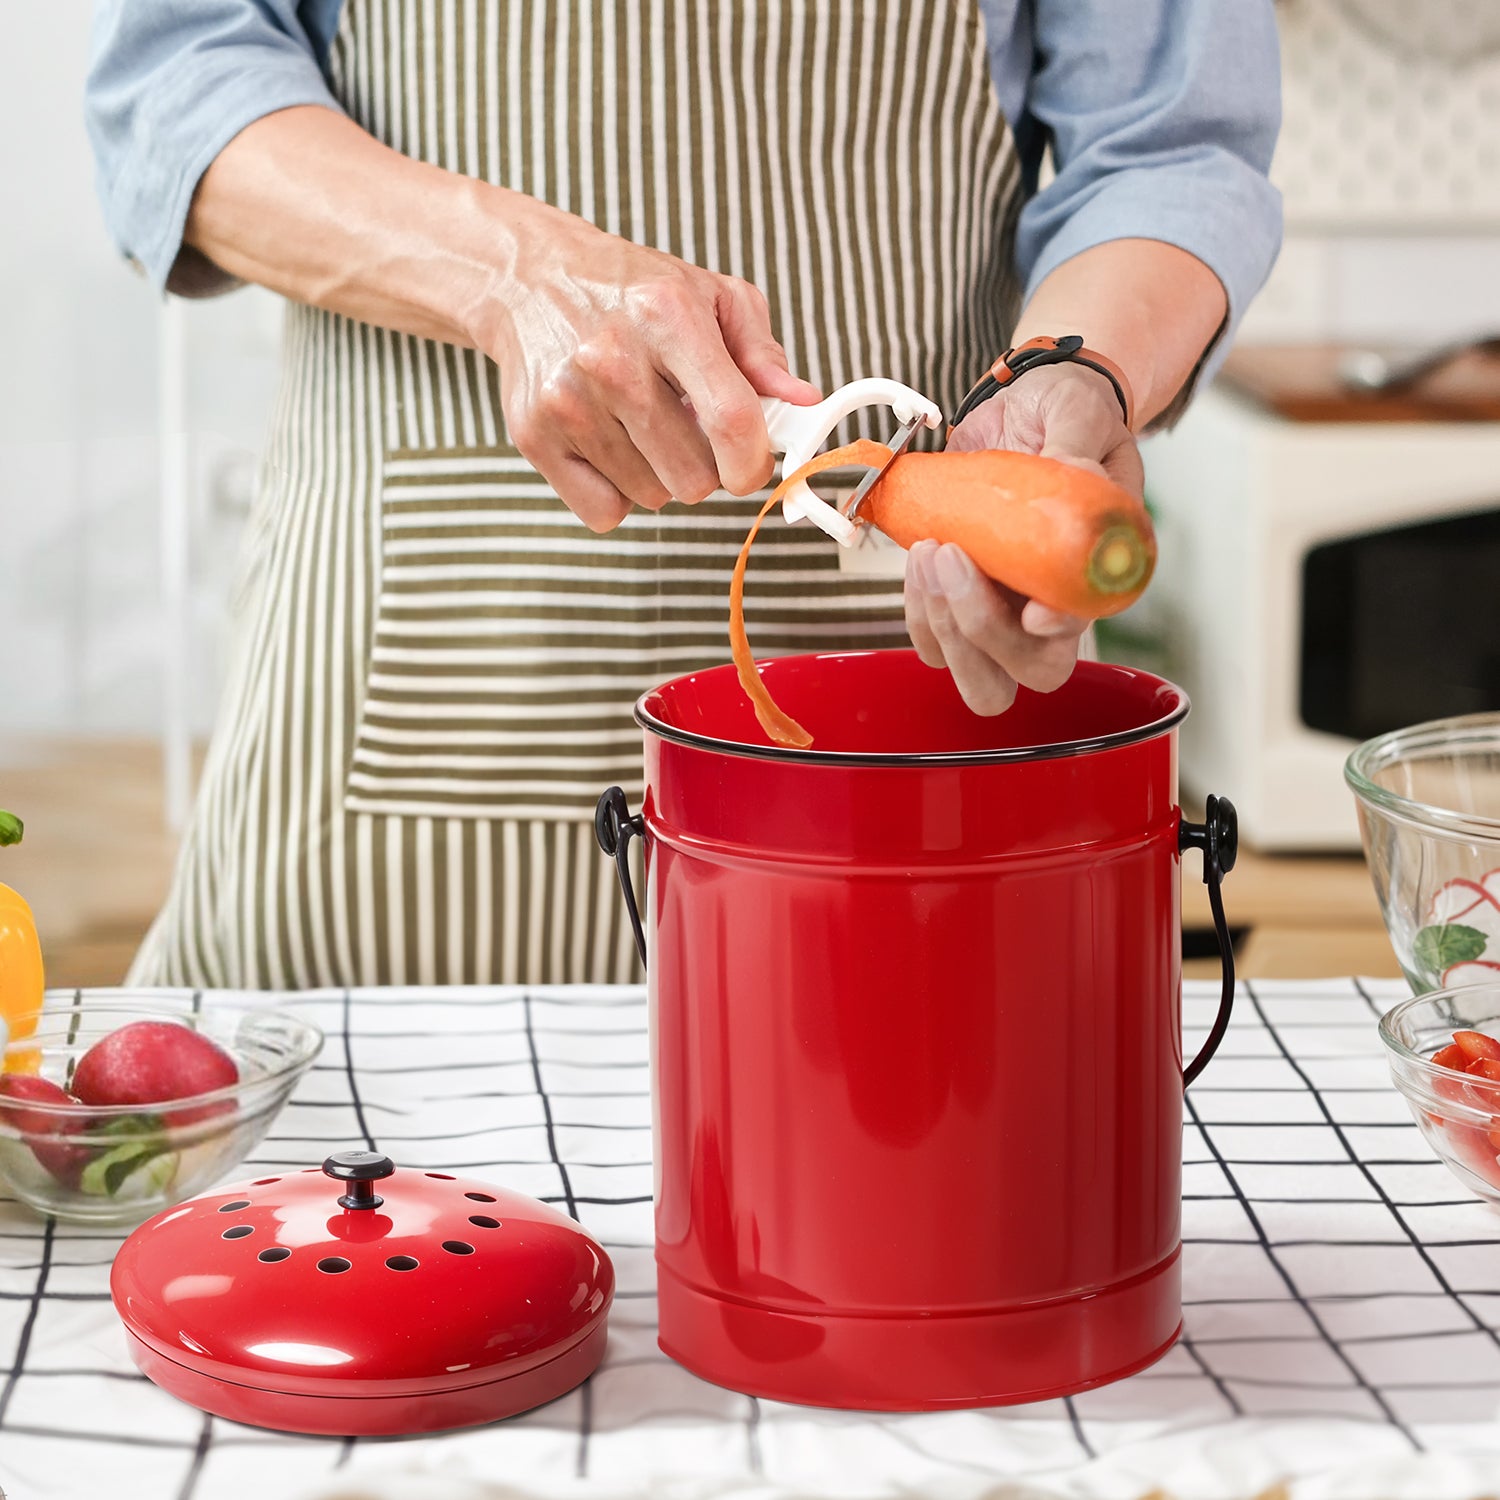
[(1389, 165), (79, 625), (1362, 287)]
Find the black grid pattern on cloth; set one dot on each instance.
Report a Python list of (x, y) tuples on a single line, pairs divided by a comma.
[(1342, 1291)]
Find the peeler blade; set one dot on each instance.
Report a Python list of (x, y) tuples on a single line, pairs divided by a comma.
[(898, 445)]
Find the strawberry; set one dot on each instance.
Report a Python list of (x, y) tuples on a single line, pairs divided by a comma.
[(1451, 1056), (152, 1062), (43, 1130)]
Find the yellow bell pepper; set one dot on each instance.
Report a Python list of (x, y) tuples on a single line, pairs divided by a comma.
[(21, 982)]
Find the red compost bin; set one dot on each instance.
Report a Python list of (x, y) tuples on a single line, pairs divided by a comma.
[(915, 1027)]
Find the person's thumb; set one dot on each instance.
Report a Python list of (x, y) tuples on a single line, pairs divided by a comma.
[(1076, 437), (1091, 437), (745, 322)]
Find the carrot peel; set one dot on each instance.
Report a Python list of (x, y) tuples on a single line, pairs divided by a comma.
[(780, 726)]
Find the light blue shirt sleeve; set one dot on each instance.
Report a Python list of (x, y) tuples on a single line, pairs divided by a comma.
[(1162, 117), (171, 83)]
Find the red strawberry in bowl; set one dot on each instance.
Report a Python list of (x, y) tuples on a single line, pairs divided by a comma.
[(152, 1062), (45, 1130)]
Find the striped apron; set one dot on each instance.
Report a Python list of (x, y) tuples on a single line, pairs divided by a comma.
[(434, 662)]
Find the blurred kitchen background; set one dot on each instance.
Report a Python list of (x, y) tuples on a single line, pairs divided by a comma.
[(1309, 530)]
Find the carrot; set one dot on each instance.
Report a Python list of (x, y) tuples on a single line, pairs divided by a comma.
[(1070, 538), (1051, 531)]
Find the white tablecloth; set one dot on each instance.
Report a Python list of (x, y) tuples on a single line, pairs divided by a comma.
[(1342, 1291)]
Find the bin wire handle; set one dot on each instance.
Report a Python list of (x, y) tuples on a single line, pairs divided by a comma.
[(614, 827), (1217, 837)]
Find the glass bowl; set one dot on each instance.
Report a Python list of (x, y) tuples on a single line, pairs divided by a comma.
[(1429, 814), (1457, 1113), (119, 1164)]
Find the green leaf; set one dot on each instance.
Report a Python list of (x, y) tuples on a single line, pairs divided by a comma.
[(143, 1141), (104, 1174), (149, 1176), (109, 1172), (11, 829), (1440, 947), (116, 1173), (142, 1129)]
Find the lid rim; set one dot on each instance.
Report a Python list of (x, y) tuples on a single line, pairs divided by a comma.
[(357, 1388)]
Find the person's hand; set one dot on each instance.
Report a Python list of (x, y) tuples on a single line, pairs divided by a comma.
[(629, 377), (989, 637)]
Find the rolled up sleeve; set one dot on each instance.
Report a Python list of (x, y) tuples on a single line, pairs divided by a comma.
[(170, 84), (1162, 118)]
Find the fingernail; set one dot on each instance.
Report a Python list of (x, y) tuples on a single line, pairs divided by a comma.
[(954, 572), (922, 558)]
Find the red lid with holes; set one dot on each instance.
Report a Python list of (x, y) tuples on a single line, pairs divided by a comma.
[(363, 1297)]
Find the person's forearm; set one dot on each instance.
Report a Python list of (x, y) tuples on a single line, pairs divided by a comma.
[(1150, 307), (627, 376), (305, 202)]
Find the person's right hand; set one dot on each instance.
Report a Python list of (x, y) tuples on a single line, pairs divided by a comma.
[(627, 376)]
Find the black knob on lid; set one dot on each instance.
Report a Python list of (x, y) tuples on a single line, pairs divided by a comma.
[(361, 1170)]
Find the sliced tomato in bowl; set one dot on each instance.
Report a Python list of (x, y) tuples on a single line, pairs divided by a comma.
[(1470, 1076)]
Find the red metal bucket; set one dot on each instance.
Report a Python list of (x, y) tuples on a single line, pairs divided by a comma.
[(916, 1039)]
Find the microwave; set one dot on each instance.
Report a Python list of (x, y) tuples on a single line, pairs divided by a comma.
[(1318, 583)]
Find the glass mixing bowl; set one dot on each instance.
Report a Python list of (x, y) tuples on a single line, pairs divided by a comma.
[(1429, 814), (119, 1164), (1458, 1113)]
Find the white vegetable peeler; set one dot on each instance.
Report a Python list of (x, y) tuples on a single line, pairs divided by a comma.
[(797, 432)]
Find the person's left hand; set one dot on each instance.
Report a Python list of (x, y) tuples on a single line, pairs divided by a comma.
[(988, 636)]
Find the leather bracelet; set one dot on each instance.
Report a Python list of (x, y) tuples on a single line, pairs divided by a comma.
[(1040, 351)]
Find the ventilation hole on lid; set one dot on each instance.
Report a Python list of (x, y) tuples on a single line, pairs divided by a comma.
[(442, 1176), (237, 1232), (484, 1221), (275, 1253), (457, 1247), (333, 1264), (481, 1197), (402, 1263), (264, 1181), (235, 1207)]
